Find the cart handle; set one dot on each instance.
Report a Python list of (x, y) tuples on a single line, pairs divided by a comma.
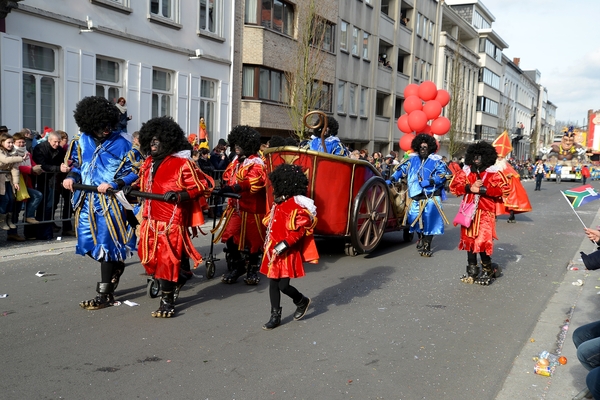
[(147, 195), (321, 123)]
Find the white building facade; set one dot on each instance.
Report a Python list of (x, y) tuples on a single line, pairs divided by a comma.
[(165, 57)]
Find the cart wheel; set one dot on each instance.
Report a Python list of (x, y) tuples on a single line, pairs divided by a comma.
[(349, 250), (370, 211), (408, 236), (210, 269), (153, 288)]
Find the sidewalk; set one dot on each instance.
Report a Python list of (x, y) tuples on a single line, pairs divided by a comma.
[(571, 307)]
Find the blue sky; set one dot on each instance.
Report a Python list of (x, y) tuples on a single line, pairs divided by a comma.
[(561, 40)]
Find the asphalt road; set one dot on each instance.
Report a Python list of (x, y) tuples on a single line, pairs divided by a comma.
[(389, 325)]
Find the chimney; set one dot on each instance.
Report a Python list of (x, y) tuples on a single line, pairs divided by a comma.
[(517, 61)]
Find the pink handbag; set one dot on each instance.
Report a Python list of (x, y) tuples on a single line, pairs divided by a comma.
[(466, 212)]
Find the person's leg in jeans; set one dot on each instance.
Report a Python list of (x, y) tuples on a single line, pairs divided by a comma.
[(593, 382), (31, 206), (587, 342)]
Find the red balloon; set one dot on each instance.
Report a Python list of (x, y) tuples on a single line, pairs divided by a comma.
[(411, 90), (406, 141), (432, 109), (440, 126), (412, 103), (443, 97), (426, 130), (403, 124), (427, 91), (417, 120)]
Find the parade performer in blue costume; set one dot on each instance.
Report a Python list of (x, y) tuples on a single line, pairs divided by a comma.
[(426, 175), (332, 142), (101, 157)]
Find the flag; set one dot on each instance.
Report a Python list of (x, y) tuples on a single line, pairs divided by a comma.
[(581, 195)]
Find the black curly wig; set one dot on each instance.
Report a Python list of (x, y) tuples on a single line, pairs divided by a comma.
[(290, 141), (288, 180), (423, 138), (485, 150), (276, 141), (333, 126), (245, 137), (167, 131), (95, 114)]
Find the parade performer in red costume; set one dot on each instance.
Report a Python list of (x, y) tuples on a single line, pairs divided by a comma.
[(517, 200), (240, 226), (479, 179), (289, 240), (164, 238)]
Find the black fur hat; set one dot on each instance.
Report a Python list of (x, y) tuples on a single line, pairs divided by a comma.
[(423, 138), (167, 131), (485, 150), (95, 114), (245, 137), (288, 180)]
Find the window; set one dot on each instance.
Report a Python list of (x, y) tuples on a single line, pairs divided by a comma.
[(490, 78), (479, 22), (39, 86), (398, 108), (108, 79), (365, 52), (210, 16), (262, 83), (380, 104), (323, 100), (352, 90), (418, 27), (363, 102), (355, 41), (430, 34), (344, 36), (486, 105), (341, 105), (163, 8), (387, 7), (323, 35), (276, 15), (485, 45), (416, 69), (162, 93), (208, 104)]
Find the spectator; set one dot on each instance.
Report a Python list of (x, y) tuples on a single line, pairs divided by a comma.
[(218, 158), (26, 168), (62, 193), (558, 172), (585, 174), (123, 117), (204, 162), (50, 156), (30, 141), (332, 142), (9, 182), (539, 172)]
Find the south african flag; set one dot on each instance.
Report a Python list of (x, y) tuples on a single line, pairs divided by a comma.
[(581, 195)]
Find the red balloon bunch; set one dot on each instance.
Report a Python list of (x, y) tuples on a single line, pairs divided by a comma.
[(423, 103)]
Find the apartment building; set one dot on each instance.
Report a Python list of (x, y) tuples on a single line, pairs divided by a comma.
[(365, 95), (166, 57)]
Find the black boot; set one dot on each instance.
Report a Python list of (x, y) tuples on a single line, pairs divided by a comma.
[(104, 298), (275, 320), (167, 306), (511, 219), (184, 276), (426, 250), (419, 241), (238, 270), (252, 277), (471, 275), (118, 269), (489, 272), (302, 306)]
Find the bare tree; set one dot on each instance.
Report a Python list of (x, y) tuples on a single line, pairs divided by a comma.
[(309, 64), (457, 105)]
